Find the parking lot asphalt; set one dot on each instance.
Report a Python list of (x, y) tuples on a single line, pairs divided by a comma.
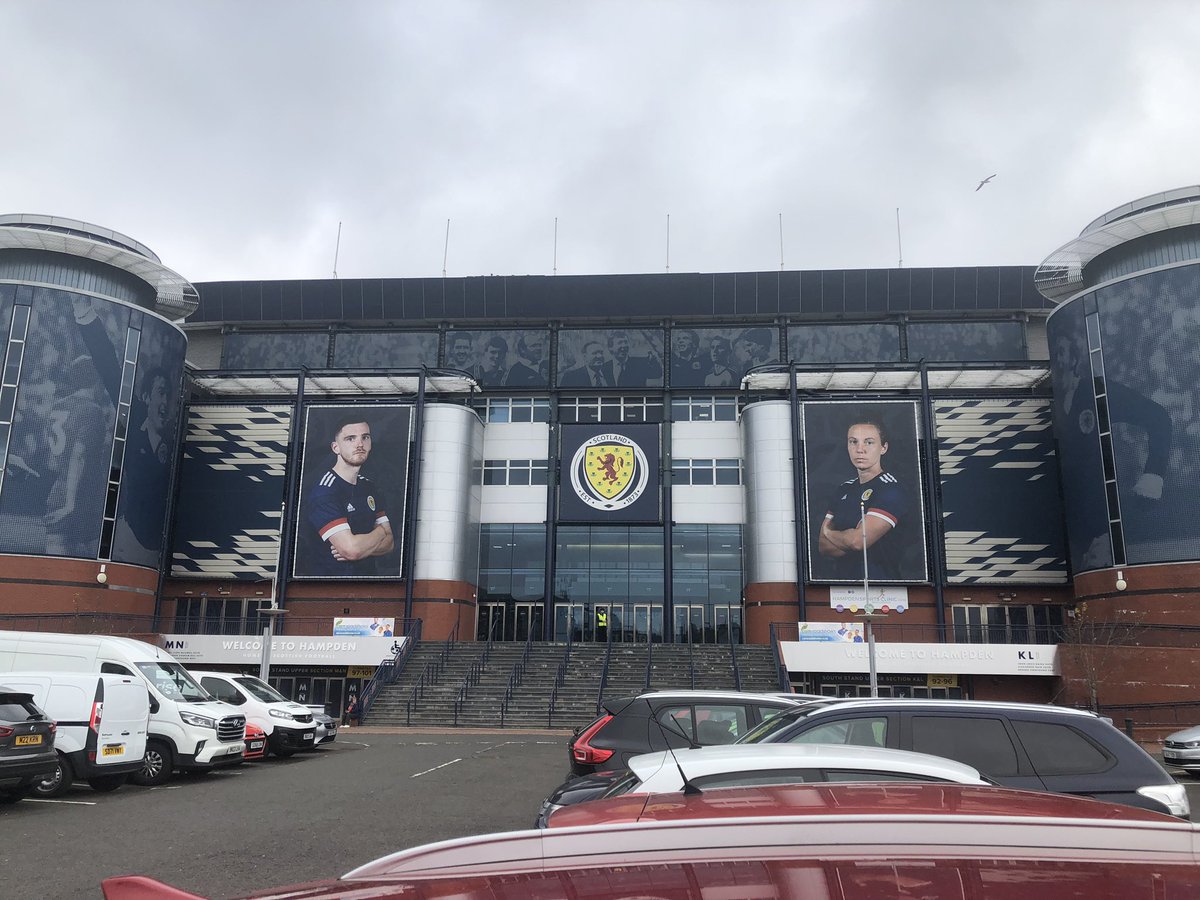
[(283, 821)]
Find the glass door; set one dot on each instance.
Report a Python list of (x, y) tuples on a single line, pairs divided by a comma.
[(491, 615), (568, 620), (689, 624), (641, 623), (528, 618)]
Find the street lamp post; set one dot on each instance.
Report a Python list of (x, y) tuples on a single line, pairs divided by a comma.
[(868, 612), (264, 666)]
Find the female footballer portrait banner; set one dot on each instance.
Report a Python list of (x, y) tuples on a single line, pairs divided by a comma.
[(863, 483), (352, 491)]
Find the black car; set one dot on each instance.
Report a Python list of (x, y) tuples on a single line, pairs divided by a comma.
[(26, 746), (661, 719), (1018, 745)]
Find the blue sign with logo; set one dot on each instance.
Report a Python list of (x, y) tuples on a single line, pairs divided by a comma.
[(610, 473)]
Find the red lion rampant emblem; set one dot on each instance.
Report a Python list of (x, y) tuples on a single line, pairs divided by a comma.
[(611, 463)]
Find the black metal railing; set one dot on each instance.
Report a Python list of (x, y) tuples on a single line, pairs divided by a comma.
[(737, 672), (781, 672), (390, 669), (516, 678), (560, 678), (691, 662), (649, 664), (430, 674), (476, 669), (604, 671)]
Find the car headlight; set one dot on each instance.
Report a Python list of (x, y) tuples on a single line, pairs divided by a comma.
[(1191, 745), (280, 714), (198, 720)]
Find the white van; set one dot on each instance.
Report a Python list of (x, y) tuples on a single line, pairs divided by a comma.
[(289, 726), (188, 728), (103, 722)]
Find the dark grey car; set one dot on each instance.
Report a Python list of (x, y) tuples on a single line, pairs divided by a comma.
[(1036, 747), (628, 726), (26, 745)]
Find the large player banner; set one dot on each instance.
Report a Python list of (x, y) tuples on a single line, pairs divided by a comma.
[(862, 458), (353, 489), (609, 474)]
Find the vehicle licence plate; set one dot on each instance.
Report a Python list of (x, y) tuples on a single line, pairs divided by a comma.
[(28, 740), (256, 745), (112, 750), (308, 736)]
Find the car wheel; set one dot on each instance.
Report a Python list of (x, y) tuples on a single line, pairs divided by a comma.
[(106, 783), (157, 765), (58, 783)]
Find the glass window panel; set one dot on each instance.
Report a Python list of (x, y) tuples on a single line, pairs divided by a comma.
[(609, 584), (680, 410), (681, 472), (690, 584), (494, 472), (528, 584), (519, 474), (496, 547), (702, 471), (977, 741), (610, 547), (573, 547), (646, 549), (689, 547), (571, 584), (725, 587), (645, 584), (529, 546)]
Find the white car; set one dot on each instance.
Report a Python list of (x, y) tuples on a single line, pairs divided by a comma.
[(1183, 749), (745, 766)]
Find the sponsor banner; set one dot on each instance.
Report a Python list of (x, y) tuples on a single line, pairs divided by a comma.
[(883, 599), (354, 482), (929, 659), (610, 474), (863, 474), (219, 649), (832, 632), (368, 626)]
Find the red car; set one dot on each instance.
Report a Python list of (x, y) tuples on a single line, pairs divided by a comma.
[(816, 842), (256, 742)]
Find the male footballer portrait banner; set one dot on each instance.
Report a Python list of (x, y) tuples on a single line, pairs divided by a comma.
[(609, 473), (863, 483), (353, 484)]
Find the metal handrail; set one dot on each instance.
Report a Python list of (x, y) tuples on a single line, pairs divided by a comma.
[(649, 661), (560, 678), (737, 674), (476, 669), (515, 678), (604, 669), (691, 660), (785, 682), (390, 669)]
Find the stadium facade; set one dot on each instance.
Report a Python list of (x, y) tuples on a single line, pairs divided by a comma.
[(626, 458)]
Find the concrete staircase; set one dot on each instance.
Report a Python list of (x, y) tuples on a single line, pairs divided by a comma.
[(465, 684)]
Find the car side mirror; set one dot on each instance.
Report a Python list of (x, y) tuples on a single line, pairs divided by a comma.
[(154, 707)]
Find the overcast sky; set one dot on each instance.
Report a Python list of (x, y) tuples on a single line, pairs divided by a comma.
[(233, 137)]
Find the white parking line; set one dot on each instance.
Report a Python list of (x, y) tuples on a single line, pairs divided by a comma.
[(69, 802), (435, 768)]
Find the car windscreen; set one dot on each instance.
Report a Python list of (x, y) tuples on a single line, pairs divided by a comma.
[(763, 730), (260, 690), (173, 682), (18, 708)]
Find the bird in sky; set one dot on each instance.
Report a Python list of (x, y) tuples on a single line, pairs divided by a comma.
[(985, 181)]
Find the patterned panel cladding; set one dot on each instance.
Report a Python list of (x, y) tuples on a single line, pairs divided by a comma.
[(231, 489), (1001, 506)]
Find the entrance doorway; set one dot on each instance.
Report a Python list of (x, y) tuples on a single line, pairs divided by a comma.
[(490, 621), (568, 620), (689, 624), (527, 619)]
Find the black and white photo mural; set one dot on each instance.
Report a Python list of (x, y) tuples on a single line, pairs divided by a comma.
[(610, 358), (52, 501), (719, 357), (1125, 363), (265, 350), (387, 350), (509, 359)]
